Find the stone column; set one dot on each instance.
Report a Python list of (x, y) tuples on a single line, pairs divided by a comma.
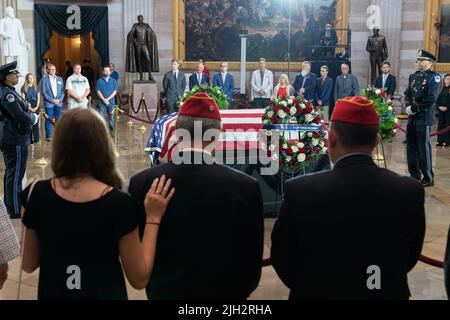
[(358, 24)]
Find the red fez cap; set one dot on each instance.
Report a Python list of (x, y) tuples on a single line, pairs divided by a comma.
[(200, 105), (355, 110)]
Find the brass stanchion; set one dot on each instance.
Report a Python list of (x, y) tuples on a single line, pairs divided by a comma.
[(143, 128), (89, 102), (42, 162), (116, 130), (130, 110)]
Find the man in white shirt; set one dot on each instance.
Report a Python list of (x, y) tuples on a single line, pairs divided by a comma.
[(262, 85), (78, 89)]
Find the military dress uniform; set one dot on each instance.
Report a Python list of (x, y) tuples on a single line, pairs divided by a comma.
[(420, 98), (15, 132)]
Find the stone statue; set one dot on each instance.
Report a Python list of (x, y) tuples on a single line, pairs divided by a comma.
[(14, 46), (377, 47), (142, 50)]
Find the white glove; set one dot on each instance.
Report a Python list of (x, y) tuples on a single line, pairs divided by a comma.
[(36, 118), (409, 111), (443, 109)]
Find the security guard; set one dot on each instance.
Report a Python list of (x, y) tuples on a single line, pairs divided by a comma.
[(16, 124), (420, 98)]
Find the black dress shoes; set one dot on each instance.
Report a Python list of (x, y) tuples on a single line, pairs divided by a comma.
[(427, 183)]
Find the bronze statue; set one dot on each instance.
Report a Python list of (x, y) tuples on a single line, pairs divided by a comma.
[(142, 50), (377, 47)]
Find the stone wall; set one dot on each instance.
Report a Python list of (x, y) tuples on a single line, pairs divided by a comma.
[(402, 22)]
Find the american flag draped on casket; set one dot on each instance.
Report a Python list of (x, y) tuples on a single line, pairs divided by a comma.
[(240, 129)]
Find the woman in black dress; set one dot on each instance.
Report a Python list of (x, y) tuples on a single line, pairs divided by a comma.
[(30, 94), (443, 104), (79, 223)]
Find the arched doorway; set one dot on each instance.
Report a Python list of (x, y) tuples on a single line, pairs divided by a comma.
[(61, 29), (74, 49)]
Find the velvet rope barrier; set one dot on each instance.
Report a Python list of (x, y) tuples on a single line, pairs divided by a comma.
[(443, 131), (431, 261), (148, 114), (135, 118)]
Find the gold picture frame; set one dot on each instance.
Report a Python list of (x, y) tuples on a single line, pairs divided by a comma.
[(179, 39), (431, 41)]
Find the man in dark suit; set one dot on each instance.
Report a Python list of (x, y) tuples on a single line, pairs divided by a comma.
[(305, 82), (199, 77), (348, 239), (328, 38), (210, 242), (174, 84), (386, 81), (225, 82)]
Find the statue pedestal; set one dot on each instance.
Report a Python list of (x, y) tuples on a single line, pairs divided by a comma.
[(149, 90)]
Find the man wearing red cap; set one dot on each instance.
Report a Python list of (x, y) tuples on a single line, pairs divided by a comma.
[(210, 242), (361, 229)]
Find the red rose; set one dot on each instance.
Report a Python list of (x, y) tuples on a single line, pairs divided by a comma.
[(286, 109), (276, 109), (299, 110), (295, 102), (316, 120), (383, 94), (309, 109), (289, 150), (274, 119)]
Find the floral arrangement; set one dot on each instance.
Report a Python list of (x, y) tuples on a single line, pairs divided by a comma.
[(385, 110), (301, 133), (215, 93)]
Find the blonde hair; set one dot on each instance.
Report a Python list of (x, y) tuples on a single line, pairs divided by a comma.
[(25, 85), (284, 76)]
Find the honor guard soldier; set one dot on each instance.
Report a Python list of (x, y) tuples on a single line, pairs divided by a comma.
[(420, 99), (15, 130)]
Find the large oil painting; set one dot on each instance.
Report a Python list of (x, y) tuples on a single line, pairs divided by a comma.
[(444, 30), (213, 28)]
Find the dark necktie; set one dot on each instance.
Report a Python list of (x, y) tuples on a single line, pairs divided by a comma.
[(262, 76)]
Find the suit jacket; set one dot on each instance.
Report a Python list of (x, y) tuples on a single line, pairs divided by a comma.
[(447, 266), (346, 87), (390, 85), (324, 91), (423, 91), (370, 217), (174, 88), (47, 92), (333, 38), (193, 81), (267, 84), (227, 87), (210, 241), (310, 86)]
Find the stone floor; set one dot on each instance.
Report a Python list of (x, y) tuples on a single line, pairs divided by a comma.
[(426, 282)]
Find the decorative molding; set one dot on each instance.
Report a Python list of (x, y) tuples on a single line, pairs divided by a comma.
[(431, 41), (443, 67), (236, 66), (179, 39)]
